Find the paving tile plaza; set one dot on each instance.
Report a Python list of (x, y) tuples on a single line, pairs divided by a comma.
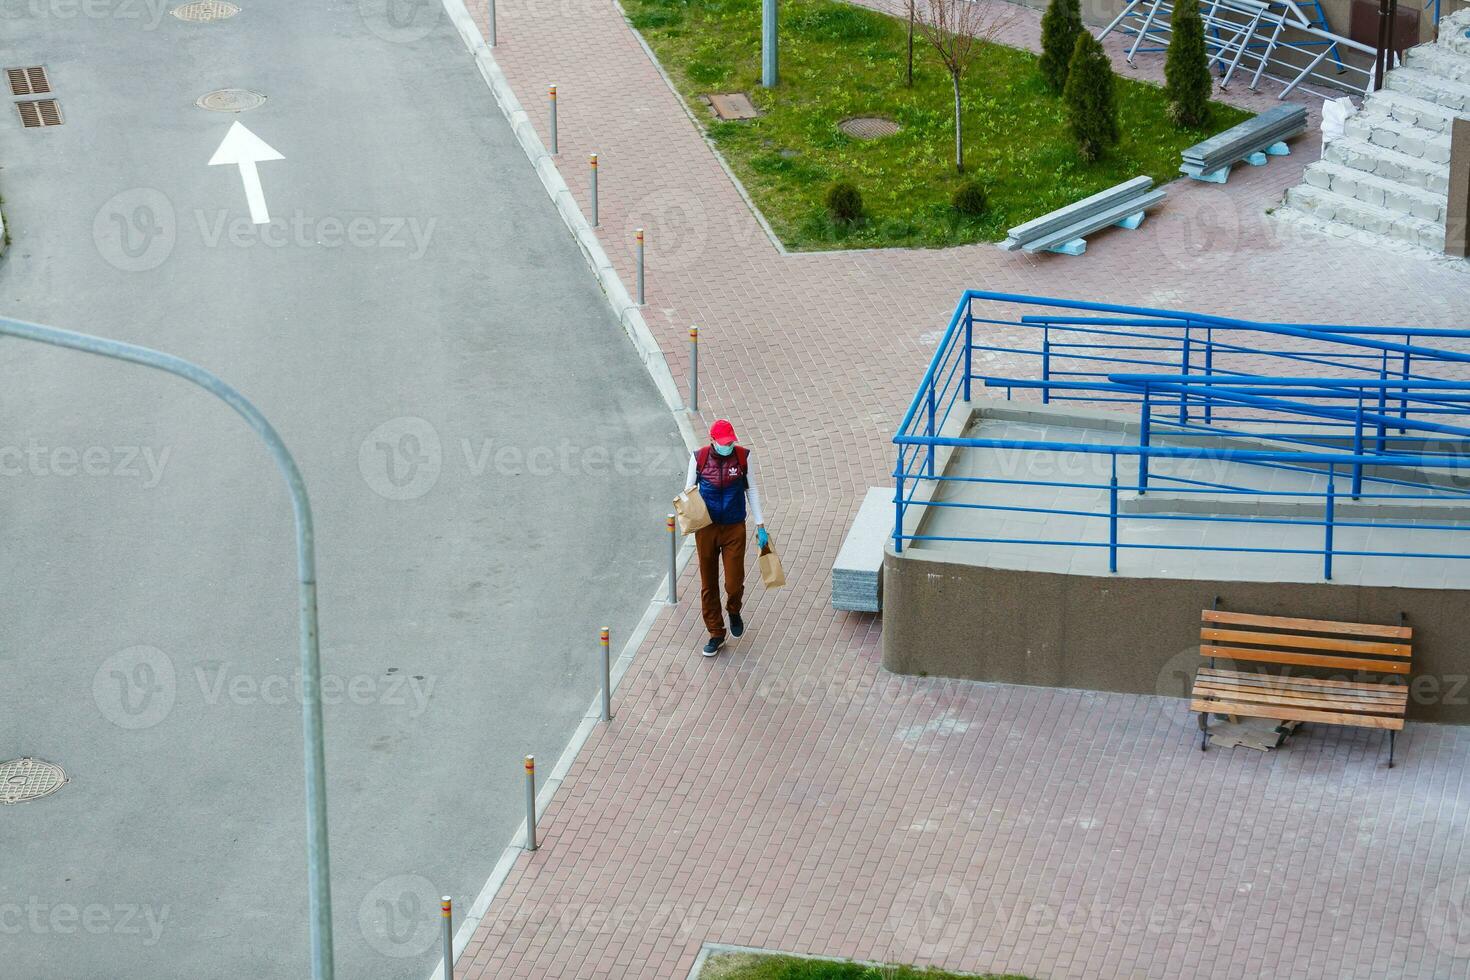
[(790, 794)]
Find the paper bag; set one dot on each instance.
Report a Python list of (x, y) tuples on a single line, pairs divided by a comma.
[(772, 574), (693, 514)]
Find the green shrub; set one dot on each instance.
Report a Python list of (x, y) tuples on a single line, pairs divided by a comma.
[(1092, 109), (1060, 26), (970, 199), (1187, 79), (844, 203)]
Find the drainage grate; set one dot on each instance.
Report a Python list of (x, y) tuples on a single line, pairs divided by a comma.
[(39, 112), (868, 127), (29, 779), (231, 100), (28, 81), (201, 11)]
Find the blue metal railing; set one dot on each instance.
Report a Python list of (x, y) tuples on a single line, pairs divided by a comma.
[(1380, 408)]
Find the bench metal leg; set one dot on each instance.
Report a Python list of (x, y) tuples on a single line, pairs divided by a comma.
[(1391, 734), (1204, 731)]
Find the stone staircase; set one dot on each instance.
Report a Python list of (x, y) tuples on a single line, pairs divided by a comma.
[(1387, 178)]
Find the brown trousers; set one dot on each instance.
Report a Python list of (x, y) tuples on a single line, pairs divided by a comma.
[(717, 544)]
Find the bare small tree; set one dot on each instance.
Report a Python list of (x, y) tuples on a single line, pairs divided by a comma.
[(959, 30), (909, 6)]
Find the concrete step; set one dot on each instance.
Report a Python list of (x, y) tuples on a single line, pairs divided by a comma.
[(1332, 208), (1383, 130), (1406, 108), (1370, 189), (1452, 34), (1436, 59), (1371, 158), (1388, 164), (1432, 88)]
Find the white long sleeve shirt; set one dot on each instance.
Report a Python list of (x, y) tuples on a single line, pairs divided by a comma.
[(752, 495)]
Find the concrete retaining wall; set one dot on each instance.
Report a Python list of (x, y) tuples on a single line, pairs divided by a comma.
[(1135, 634)]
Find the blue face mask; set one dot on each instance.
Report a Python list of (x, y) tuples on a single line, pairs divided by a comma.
[(724, 450)]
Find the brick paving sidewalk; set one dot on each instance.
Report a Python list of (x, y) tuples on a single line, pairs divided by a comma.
[(789, 793)]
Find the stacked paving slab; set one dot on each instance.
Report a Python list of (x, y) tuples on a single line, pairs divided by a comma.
[(857, 574), (1388, 176)]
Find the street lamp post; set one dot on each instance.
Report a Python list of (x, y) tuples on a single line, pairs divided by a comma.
[(768, 44), (318, 864)]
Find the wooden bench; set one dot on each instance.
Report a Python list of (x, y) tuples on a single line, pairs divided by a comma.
[(1350, 649)]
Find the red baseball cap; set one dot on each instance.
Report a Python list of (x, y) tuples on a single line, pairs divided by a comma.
[(722, 432)]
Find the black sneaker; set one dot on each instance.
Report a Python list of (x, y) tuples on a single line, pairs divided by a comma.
[(713, 646), (737, 625)]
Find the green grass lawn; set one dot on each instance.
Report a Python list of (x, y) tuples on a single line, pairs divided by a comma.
[(750, 966), (839, 61)]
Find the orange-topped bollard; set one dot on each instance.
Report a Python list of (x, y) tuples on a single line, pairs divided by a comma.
[(605, 638), (446, 912), (530, 802), (639, 239), (551, 94), (693, 369), (593, 162), (673, 562)]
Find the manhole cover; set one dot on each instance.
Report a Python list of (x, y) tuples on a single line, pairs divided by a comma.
[(28, 779), (868, 127), (231, 100), (205, 10), (732, 105)]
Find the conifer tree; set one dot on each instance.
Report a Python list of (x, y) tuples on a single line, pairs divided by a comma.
[(1092, 110)]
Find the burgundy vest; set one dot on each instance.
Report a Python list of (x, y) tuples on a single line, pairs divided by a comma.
[(722, 483)]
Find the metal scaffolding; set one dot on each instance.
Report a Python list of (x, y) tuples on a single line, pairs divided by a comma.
[(1281, 39)]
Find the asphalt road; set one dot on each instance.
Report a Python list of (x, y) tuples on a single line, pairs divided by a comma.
[(489, 466)]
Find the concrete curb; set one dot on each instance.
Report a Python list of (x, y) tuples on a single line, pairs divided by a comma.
[(628, 313), (475, 914), (714, 949), (631, 318), (699, 128)]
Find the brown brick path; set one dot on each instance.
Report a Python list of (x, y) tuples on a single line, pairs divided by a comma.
[(791, 794)]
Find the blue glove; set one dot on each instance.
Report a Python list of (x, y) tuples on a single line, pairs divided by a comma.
[(761, 537)]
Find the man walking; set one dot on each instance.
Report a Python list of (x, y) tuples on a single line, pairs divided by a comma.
[(722, 470)]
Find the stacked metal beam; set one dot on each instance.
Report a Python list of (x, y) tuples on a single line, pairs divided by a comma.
[(1275, 125), (1077, 220)]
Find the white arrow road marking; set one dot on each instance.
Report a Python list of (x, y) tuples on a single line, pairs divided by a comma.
[(242, 147)]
